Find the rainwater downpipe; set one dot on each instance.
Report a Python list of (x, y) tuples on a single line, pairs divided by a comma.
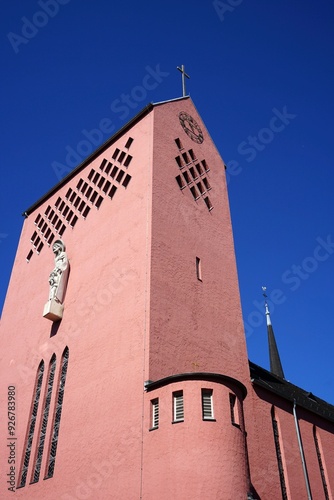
[(302, 456)]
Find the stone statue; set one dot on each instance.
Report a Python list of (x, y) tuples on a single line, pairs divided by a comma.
[(58, 278), (59, 275)]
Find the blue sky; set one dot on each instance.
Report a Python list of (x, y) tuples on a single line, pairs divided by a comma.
[(261, 78)]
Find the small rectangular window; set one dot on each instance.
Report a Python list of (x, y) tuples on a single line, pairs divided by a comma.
[(180, 182), (114, 172), (50, 240), (106, 187), (194, 193), (208, 203), (207, 404), (112, 191), (178, 143), (103, 163), (200, 187), (199, 168), (179, 161), (30, 254), (234, 410), (206, 184), (198, 269), (121, 157), (178, 407), (186, 159), (108, 168), (100, 183), (126, 180), (114, 156), (128, 143), (192, 155), (193, 173), (127, 161), (96, 178), (120, 176), (155, 413)]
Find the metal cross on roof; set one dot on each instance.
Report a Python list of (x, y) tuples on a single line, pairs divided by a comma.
[(184, 74)]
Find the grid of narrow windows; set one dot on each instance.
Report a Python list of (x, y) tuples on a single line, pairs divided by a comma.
[(194, 174), (32, 424), (57, 415), (207, 404), (178, 406), (46, 410), (78, 200), (279, 455), (155, 413), (320, 462)]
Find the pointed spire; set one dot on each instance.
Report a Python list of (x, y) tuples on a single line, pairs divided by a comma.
[(275, 362)]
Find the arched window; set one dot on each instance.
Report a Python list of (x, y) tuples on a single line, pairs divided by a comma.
[(320, 462), (40, 449), (32, 423), (57, 414), (279, 454)]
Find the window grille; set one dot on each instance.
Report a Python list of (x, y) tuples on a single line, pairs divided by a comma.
[(207, 404), (33, 415), (57, 416), (46, 410), (178, 406)]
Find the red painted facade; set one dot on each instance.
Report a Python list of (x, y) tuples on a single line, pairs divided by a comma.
[(142, 390)]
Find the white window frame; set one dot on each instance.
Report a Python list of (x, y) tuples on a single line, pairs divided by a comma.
[(207, 404), (155, 413), (178, 406)]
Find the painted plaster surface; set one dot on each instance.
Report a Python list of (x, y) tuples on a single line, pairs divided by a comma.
[(135, 311), (195, 325)]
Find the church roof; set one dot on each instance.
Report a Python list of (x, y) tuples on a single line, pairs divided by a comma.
[(290, 392)]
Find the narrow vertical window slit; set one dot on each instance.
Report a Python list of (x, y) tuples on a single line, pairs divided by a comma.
[(32, 423), (57, 415), (45, 416)]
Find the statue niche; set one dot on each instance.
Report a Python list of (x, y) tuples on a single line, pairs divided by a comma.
[(53, 309)]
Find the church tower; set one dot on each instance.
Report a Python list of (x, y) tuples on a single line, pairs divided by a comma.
[(130, 386)]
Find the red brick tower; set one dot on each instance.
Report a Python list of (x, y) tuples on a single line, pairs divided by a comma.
[(137, 391)]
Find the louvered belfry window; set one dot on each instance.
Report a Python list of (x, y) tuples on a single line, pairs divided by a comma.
[(178, 406), (155, 413), (57, 415), (207, 404), (32, 423)]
